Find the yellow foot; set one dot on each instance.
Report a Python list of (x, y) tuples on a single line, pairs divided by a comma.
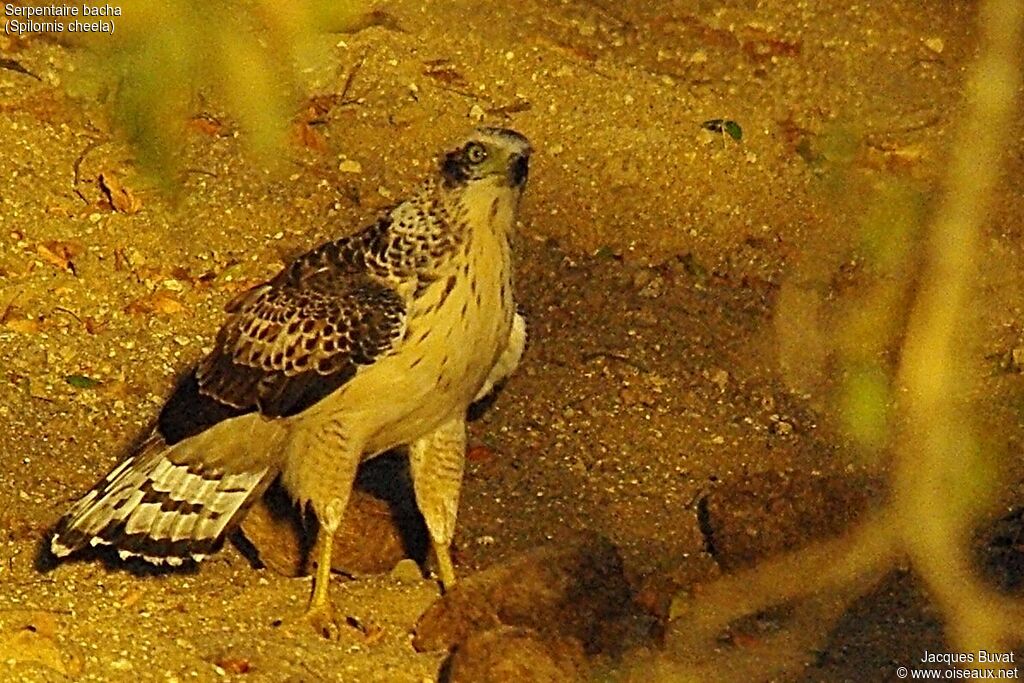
[(321, 618), (320, 614)]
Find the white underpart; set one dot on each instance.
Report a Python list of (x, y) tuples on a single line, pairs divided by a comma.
[(509, 360)]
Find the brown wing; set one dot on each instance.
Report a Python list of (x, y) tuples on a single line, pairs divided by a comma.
[(286, 345)]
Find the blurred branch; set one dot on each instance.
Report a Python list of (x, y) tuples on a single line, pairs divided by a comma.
[(244, 57), (940, 482), (864, 551), (937, 487), (822, 580)]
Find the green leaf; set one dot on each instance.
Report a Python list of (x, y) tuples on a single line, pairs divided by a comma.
[(727, 126), (81, 381)]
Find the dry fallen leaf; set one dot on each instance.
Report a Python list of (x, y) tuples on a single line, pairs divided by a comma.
[(443, 71), (234, 665), (232, 286), (121, 198), (43, 623), (59, 254), (121, 260), (204, 123), (8, 308), (24, 325), (479, 453), (92, 325), (14, 65), (181, 273), (373, 634), (309, 137), (158, 302)]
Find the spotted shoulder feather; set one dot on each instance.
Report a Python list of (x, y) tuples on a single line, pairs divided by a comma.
[(292, 341)]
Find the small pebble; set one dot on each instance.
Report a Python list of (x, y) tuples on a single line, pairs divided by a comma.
[(407, 571), (350, 166)]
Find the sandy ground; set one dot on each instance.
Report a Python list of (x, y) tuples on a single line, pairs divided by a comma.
[(651, 406)]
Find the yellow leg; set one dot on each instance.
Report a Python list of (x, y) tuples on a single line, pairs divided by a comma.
[(320, 613), (444, 565), (436, 462)]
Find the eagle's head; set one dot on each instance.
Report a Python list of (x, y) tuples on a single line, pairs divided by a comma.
[(496, 155)]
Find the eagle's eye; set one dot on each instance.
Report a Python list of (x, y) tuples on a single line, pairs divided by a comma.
[(475, 153)]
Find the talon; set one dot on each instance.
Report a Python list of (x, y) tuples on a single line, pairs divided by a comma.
[(323, 622)]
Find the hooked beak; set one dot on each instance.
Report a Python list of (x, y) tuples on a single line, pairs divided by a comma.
[(518, 169)]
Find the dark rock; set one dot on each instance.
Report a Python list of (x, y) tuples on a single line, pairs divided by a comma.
[(508, 653), (574, 589), (373, 538), (772, 512)]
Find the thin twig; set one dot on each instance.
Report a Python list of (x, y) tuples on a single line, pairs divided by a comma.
[(78, 166), (14, 65), (350, 78), (68, 311)]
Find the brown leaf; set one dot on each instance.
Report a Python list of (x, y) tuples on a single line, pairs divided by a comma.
[(319, 106), (893, 156), (710, 36), (13, 65), (745, 640), (513, 108), (158, 302), (8, 308), (240, 285), (24, 325), (204, 123), (767, 49), (479, 453), (441, 70), (371, 632), (181, 273), (59, 254), (121, 198), (309, 137), (374, 633), (92, 325), (43, 623), (234, 665)]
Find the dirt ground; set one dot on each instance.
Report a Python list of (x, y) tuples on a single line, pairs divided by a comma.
[(651, 406)]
